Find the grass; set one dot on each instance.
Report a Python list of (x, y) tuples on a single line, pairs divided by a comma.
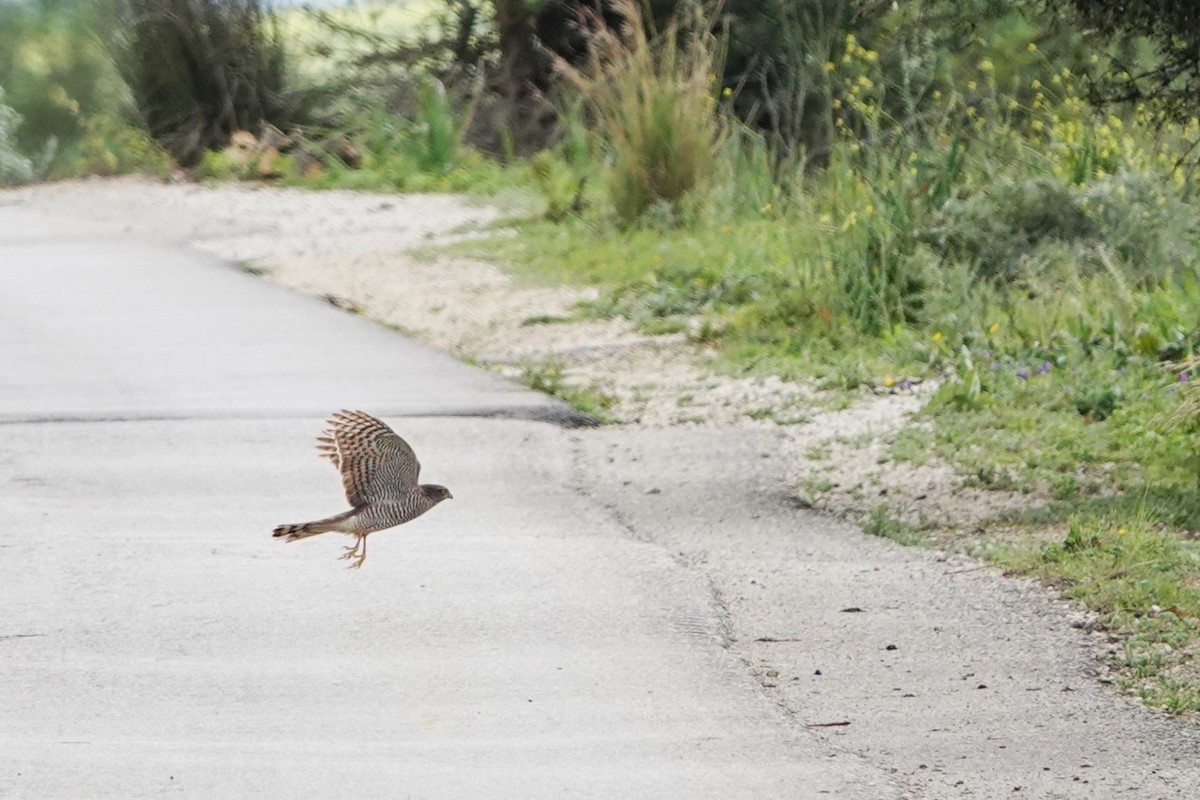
[(550, 377), (1144, 583), (883, 523), (1035, 258)]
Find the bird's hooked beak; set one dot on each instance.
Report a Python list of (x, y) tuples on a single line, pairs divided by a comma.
[(448, 495)]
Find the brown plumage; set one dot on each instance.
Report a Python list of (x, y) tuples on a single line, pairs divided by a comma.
[(379, 474)]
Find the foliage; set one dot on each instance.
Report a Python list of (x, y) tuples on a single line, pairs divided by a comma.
[(112, 147), (55, 70), (201, 69), (14, 167), (549, 377), (653, 101), (1172, 76), (997, 229), (776, 65), (1145, 585)]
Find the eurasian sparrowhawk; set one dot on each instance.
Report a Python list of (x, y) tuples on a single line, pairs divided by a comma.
[(379, 473)]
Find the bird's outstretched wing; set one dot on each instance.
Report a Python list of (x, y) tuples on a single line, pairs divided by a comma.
[(375, 463)]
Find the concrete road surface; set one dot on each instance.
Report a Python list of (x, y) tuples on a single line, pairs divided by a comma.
[(157, 410)]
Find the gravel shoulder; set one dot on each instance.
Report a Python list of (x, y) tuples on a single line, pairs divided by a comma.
[(957, 681)]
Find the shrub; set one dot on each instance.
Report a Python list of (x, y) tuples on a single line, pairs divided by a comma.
[(55, 69), (998, 228), (1145, 223), (14, 167), (653, 101), (112, 147), (201, 69), (1132, 217)]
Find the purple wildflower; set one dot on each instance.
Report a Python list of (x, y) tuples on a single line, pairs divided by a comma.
[(1044, 368), (1022, 374), (1183, 377)]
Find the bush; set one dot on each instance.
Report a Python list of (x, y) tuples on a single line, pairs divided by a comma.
[(1145, 223), (1131, 217), (997, 229), (112, 147), (653, 100), (55, 70), (14, 167), (201, 69)]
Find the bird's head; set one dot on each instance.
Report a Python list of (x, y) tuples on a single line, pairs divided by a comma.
[(436, 493)]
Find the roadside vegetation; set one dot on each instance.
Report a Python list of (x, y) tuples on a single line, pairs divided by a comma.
[(857, 195)]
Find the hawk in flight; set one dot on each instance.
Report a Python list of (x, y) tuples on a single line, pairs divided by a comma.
[(379, 473)]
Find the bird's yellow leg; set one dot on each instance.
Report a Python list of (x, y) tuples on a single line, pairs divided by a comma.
[(353, 552)]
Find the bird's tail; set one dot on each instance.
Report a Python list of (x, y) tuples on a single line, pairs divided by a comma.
[(305, 529)]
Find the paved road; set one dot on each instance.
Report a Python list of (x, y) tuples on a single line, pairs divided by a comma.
[(157, 409)]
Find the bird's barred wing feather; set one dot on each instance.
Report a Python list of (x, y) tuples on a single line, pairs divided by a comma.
[(375, 463)]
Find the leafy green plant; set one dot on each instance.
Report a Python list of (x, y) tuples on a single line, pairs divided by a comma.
[(549, 377), (998, 228), (56, 71), (1145, 585), (560, 186), (439, 133), (112, 147), (14, 167)]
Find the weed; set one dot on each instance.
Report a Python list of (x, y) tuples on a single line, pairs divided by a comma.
[(14, 167), (1144, 583), (817, 453), (109, 146), (816, 488), (549, 377), (882, 523), (654, 100), (198, 71), (544, 319)]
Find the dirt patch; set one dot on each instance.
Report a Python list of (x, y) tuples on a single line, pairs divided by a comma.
[(356, 250)]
